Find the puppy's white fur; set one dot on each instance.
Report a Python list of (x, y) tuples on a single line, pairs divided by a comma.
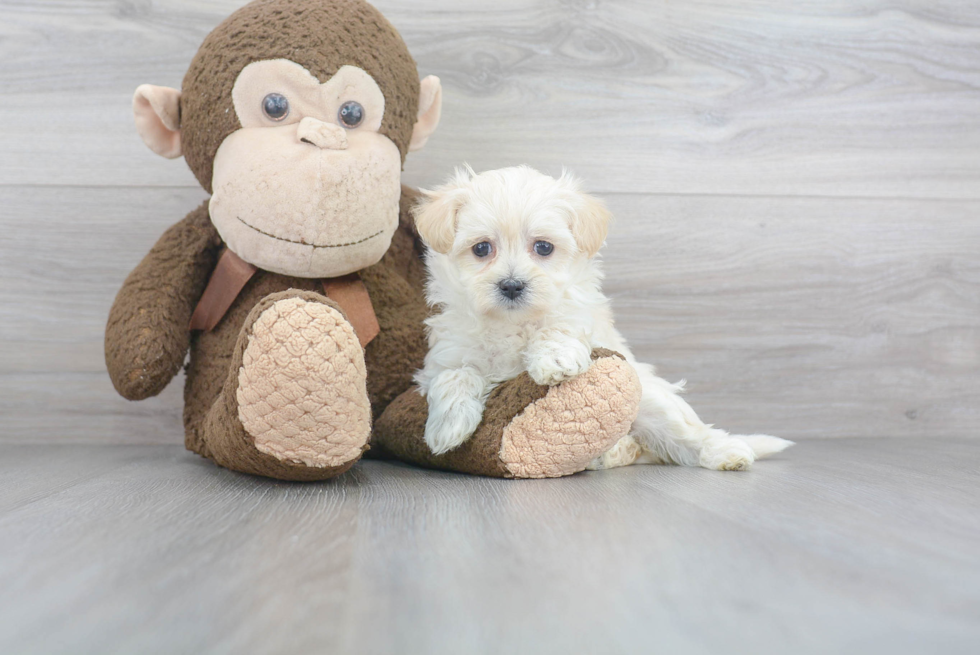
[(479, 337)]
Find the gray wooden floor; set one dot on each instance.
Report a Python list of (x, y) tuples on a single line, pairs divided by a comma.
[(838, 546)]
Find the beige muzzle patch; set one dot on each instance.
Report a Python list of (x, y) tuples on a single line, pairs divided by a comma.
[(302, 386)]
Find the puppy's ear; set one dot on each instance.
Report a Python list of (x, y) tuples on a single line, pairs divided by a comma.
[(435, 216), (590, 217)]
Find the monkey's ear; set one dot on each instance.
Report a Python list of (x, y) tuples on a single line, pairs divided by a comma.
[(435, 216), (430, 111), (157, 113), (590, 219)]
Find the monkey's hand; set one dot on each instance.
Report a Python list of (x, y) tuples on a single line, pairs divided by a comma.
[(456, 400), (556, 357), (147, 336)]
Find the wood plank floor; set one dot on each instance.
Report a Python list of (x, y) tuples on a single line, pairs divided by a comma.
[(838, 546)]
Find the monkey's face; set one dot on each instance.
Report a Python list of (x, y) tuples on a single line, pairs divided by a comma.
[(306, 176), (307, 186), (303, 159)]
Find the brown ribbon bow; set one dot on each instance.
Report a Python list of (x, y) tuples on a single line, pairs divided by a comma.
[(232, 274)]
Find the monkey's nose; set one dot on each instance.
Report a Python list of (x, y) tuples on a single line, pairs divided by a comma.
[(511, 288), (322, 135)]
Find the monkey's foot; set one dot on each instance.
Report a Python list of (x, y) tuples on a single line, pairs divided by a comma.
[(302, 391), (528, 430), (573, 423)]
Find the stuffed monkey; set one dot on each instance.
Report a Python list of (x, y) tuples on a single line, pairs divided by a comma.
[(297, 289)]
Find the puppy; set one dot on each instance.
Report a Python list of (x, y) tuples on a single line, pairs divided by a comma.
[(516, 283)]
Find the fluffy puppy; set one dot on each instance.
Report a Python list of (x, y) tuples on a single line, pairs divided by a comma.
[(516, 283)]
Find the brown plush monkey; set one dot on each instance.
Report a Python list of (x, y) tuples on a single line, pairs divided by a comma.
[(297, 289)]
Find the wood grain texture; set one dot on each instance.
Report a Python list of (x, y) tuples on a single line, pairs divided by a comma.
[(796, 184), (872, 98), (846, 546), (810, 317), (794, 316)]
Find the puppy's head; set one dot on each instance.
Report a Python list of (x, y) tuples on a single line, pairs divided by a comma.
[(514, 238)]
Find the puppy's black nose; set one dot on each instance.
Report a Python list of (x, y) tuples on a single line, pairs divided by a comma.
[(511, 288)]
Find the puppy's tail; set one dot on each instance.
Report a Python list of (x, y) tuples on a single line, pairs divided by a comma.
[(764, 445)]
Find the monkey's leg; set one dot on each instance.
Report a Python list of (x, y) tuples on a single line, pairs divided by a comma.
[(528, 431), (294, 405)]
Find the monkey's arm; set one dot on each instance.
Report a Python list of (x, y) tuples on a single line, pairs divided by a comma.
[(147, 335)]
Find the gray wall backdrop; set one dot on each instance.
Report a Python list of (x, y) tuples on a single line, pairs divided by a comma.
[(796, 185)]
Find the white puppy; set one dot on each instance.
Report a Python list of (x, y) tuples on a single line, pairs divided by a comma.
[(514, 277)]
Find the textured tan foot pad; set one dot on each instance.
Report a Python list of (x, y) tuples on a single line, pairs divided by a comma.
[(301, 388), (575, 422)]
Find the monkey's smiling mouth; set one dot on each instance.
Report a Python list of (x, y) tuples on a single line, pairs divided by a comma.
[(312, 245)]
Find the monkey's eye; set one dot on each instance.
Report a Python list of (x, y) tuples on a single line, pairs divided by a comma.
[(351, 114), (482, 249), (543, 248), (275, 106)]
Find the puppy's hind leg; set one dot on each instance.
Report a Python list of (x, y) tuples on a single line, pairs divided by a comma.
[(670, 431), (625, 452)]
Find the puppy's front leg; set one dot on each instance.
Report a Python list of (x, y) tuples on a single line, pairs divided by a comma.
[(456, 398), (553, 356)]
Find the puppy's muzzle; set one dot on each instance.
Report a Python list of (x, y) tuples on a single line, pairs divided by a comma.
[(511, 288)]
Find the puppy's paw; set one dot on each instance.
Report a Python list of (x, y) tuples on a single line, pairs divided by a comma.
[(447, 429), (625, 452), (553, 363), (726, 454)]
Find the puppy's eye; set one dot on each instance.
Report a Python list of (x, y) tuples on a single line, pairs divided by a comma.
[(351, 114), (482, 249), (543, 248), (275, 106)]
